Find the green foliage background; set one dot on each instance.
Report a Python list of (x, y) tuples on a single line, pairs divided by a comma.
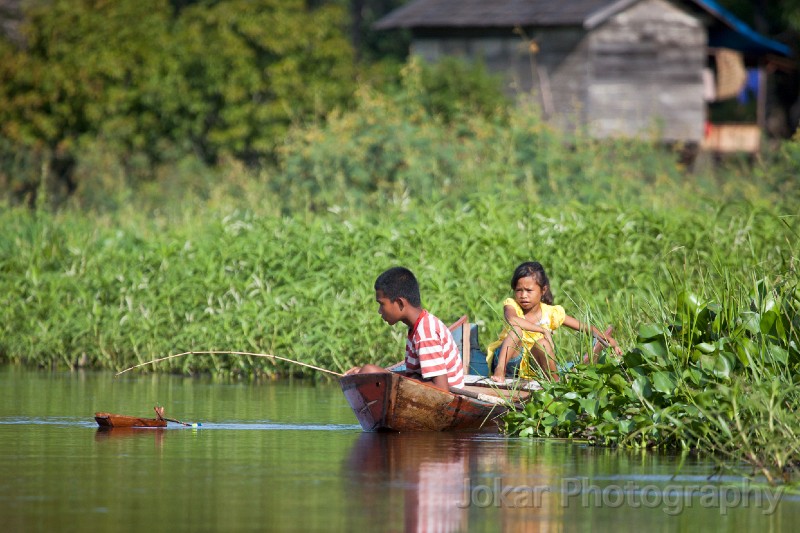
[(225, 176), (140, 84), (283, 261)]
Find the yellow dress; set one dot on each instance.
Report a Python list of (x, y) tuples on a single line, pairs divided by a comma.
[(552, 318)]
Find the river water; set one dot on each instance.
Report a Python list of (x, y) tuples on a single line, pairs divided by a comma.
[(290, 456)]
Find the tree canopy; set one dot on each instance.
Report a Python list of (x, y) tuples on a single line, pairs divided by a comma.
[(155, 82), (145, 79)]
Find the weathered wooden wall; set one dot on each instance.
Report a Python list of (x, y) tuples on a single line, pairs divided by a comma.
[(553, 73), (639, 73), (645, 73), (560, 78)]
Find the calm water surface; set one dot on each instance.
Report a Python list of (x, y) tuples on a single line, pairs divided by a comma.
[(289, 456)]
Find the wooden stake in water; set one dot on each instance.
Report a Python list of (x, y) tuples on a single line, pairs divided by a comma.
[(270, 356)]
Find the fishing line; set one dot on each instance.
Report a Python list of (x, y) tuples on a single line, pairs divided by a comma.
[(270, 356), (160, 414)]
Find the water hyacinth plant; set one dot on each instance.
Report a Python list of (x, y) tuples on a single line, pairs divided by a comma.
[(716, 377)]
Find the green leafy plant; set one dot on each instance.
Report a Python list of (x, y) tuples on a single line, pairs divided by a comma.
[(716, 378)]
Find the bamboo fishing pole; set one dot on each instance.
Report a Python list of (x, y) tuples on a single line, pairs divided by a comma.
[(270, 356)]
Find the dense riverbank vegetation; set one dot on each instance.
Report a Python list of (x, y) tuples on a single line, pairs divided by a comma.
[(697, 271), (217, 222), (714, 376), (283, 261)]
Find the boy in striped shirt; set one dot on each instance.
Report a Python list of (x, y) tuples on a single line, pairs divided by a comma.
[(431, 353)]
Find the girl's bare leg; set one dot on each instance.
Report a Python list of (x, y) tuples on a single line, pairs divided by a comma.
[(499, 375), (545, 357)]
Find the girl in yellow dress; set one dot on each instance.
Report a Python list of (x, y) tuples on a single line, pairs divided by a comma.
[(530, 319)]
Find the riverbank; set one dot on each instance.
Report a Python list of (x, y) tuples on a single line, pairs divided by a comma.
[(286, 266)]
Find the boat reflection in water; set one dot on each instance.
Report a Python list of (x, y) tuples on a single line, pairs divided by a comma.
[(105, 434), (410, 479), (431, 481)]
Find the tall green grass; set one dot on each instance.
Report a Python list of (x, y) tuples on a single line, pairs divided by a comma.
[(282, 261), (114, 291)]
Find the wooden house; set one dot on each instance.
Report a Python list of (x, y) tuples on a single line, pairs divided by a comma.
[(635, 68)]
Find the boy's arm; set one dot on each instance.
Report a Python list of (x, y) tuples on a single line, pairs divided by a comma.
[(366, 369), (441, 382), (429, 349)]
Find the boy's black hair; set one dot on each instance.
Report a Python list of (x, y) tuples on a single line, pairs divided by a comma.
[(399, 282), (535, 270)]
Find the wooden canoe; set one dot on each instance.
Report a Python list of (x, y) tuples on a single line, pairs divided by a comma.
[(110, 420), (390, 401)]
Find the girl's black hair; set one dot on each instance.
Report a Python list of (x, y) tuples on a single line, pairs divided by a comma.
[(535, 270), (397, 282)]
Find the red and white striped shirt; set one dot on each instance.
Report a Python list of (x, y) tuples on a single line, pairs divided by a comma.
[(431, 351)]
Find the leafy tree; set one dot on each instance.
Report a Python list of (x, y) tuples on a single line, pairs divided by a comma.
[(152, 80), (87, 70), (372, 45), (251, 68), (454, 86)]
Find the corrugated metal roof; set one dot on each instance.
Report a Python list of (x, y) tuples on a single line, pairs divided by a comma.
[(490, 13)]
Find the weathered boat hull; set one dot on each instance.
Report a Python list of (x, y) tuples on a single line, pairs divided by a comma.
[(109, 420), (389, 401)]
